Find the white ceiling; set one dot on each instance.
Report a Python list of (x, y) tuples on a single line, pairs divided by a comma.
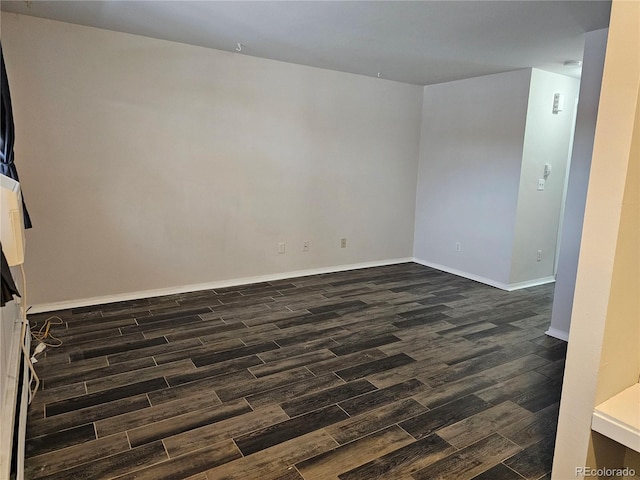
[(419, 42)]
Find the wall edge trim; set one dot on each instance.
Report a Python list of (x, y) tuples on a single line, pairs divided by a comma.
[(559, 334)]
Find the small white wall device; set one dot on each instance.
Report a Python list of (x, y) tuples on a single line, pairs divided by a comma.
[(558, 103), (12, 221), (547, 171)]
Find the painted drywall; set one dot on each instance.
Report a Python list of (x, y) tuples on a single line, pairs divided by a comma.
[(470, 157), (148, 164), (622, 330), (593, 63), (10, 354), (604, 221), (9, 317), (620, 358), (547, 140)]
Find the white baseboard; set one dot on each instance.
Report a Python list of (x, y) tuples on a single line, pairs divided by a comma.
[(83, 302), (559, 334), (509, 287)]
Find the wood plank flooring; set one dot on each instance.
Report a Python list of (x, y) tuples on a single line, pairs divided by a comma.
[(398, 372)]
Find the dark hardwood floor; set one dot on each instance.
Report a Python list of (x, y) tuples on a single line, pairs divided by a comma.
[(397, 372)]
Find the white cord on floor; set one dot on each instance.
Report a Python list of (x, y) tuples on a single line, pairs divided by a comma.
[(23, 335)]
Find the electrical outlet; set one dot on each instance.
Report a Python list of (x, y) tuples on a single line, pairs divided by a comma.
[(541, 182), (281, 248), (343, 243), (539, 255), (305, 246), (458, 247)]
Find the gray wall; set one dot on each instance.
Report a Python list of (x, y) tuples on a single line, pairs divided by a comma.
[(149, 164), (469, 173), (593, 63), (484, 144), (547, 140)]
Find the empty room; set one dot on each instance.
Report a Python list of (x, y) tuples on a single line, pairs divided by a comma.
[(320, 240)]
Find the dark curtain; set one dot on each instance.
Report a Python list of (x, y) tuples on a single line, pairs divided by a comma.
[(7, 137), (7, 285)]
